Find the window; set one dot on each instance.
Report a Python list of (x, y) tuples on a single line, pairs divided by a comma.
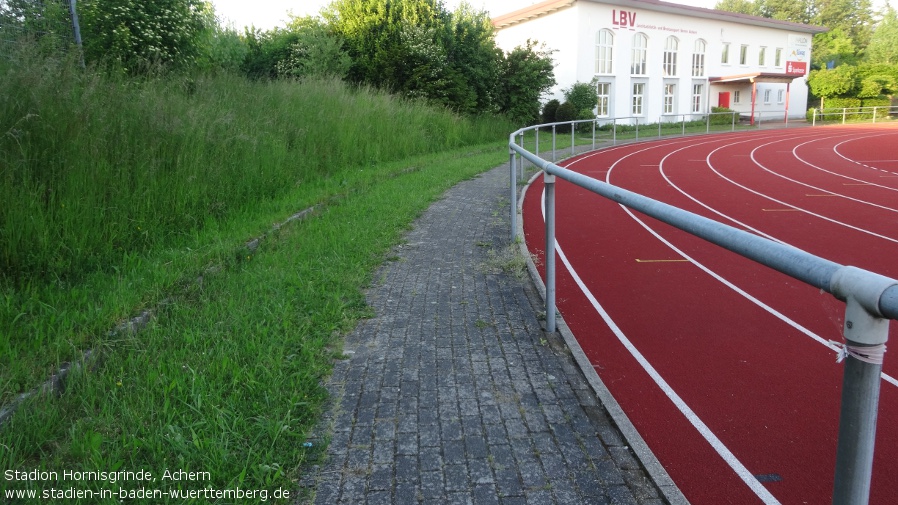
[(698, 58), (639, 54), (737, 96), (669, 94), (670, 56), (780, 96), (697, 92), (766, 96), (778, 57), (604, 52), (604, 92), (725, 53), (638, 98), (743, 55), (762, 56)]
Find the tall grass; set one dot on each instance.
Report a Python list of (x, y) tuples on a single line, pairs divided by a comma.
[(93, 167), (112, 191), (116, 196)]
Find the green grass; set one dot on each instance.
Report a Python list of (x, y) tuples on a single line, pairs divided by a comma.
[(112, 191), (227, 378), (118, 197)]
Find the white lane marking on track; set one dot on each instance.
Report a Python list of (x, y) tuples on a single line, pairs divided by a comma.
[(828, 192), (863, 163), (771, 310), (759, 303), (835, 149), (762, 195), (747, 477)]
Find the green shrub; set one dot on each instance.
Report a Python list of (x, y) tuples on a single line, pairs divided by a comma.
[(565, 112), (549, 110), (841, 103), (721, 116)]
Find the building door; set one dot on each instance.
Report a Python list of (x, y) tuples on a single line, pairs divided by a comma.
[(723, 99)]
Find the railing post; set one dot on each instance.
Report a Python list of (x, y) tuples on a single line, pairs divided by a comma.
[(521, 171), (844, 114), (573, 136), (637, 127), (514, 191), (660, 119), (865, 336), (874, 114), (553, 143), (537, 142), (684, 125), (708, 123), (549, 181), (593, 134), (733, 121), (614, 131)]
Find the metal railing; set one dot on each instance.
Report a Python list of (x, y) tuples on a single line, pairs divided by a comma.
[(871, 300), (854, 114)]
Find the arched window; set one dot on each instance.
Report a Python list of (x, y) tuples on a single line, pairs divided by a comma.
[(698, 58), (639, 54), (604, 52), (671, 45)]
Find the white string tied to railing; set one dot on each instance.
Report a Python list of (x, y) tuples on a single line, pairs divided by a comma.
[(872, 354)]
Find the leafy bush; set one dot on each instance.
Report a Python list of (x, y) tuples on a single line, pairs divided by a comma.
[(315, 53), (549, 111), (584, 97), (137, 36), (842, 102), (721, 116), (565, 112)]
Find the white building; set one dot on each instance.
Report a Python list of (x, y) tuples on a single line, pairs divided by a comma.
[(659, 61)]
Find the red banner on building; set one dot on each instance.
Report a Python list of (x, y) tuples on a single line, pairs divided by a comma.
[(797, 67)]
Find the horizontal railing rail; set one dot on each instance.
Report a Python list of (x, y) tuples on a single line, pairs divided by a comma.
[(871, 301), (846, 115)]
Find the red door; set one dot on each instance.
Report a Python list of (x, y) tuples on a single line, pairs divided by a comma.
[(723, 99)]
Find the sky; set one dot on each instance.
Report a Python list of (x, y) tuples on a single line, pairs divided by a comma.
[(266, 14)]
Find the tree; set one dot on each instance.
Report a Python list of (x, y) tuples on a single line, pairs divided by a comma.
[(796, 11), (473, 53), (876, 79), (832, 82), (373, 31), (833, 48), (527, 73), (136, 35), (47, 23), (853, 17), (220, 47), (749, 7), (883, 47), (265, 49), (316, 52)]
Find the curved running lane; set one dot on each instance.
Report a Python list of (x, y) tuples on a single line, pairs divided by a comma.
[(723, 365)]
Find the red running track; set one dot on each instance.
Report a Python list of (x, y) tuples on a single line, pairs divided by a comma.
[(721, 364)]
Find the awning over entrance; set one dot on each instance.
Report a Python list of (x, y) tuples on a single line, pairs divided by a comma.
[(762, 77), (755, 77)]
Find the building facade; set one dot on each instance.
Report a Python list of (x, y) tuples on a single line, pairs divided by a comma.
[(659, 61)]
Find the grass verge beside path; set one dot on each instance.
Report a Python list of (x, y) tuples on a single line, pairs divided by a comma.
[(226, 379)]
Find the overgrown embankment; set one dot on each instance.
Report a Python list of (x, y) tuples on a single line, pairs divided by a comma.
[(119, 196)]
